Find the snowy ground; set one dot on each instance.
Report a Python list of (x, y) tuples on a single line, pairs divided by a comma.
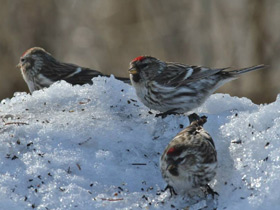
[(97, 147)]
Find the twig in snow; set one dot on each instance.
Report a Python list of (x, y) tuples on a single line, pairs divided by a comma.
[(83, 142), (16, 123), (78, 165), (112, 199), (138, 164)]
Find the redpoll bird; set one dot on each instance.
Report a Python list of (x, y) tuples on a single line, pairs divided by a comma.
[(39, 70), (177, 88), (189, 161)]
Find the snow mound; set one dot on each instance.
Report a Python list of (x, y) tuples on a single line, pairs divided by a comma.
[(98, 147)]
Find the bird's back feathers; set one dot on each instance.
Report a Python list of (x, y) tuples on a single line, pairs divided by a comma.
[(178, 74)]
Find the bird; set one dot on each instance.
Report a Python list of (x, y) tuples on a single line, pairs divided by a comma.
[(174, 88), (189, 161), (40, 70)]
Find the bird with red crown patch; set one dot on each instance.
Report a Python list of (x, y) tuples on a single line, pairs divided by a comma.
[(174, 88), (189, 161), (40, 70)]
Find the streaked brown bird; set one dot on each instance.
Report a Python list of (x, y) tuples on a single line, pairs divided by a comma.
[(40, 69), (173, 88), (189, 161)]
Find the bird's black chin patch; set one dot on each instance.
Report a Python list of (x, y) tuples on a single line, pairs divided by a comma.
[(174, 171), (136, 77)]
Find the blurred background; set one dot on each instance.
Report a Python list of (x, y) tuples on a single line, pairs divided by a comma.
[(106, 35)]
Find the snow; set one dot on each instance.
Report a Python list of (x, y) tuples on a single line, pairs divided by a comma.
[(98, 147)]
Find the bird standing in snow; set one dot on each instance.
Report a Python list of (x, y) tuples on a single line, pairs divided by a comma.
[(40, 69), (173, 88), (189, 161)]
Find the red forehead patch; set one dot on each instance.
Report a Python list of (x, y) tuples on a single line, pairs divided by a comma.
[(25, 53), (139, 58), (171, 150)]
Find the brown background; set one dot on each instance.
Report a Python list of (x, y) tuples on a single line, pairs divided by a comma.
[(106, 34)]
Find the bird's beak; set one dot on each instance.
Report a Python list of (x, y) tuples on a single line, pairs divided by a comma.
[(170, 167), (132, 70), (18, 65)]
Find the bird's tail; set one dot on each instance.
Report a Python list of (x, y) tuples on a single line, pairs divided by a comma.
[(124, 79), (194, 118), (244, 70)]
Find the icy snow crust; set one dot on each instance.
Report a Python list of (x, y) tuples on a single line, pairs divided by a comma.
[(98, 147)]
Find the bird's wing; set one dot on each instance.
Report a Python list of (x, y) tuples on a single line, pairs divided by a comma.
[(71, 73), (176, 74)]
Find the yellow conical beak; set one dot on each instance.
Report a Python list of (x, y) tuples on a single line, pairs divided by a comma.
[(133, 70)]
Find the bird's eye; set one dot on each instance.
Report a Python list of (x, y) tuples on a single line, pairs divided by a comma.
[(144, 65), (22, 59)]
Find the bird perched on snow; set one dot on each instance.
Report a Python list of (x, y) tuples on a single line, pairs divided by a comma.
[(40, 69), (189, 161), (177, 88)]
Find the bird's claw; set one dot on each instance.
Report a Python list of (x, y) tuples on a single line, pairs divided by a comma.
[(165, 114), (171, 190), (210, 191)]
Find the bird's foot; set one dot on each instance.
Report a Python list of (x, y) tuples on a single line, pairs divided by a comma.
[(210, 191), (171, 190), (165, 114)]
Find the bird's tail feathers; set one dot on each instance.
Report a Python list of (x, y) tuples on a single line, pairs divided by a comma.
[(124, 79), (244, 70), (196, 119)]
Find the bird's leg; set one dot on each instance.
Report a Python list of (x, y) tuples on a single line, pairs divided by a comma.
[(165, 114), (209, 190), (171, 190)]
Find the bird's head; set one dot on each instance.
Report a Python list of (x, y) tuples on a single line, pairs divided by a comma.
[(178, 157), (145, 67), (32, 59)]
